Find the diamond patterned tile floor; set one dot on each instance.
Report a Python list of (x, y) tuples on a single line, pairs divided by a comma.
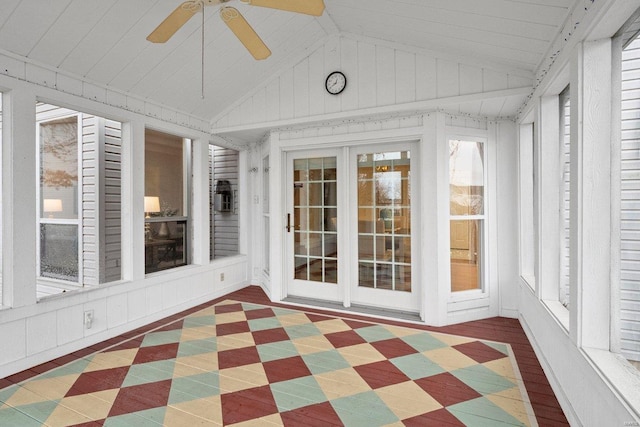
[(241, 361)]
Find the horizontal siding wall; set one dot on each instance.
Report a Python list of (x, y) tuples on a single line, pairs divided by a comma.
[(225, 224), (630, 198), (90, 199), (112, 188), (377, 76)]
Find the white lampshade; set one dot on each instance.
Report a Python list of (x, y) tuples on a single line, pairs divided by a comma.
[(52, 205), (151, 204)]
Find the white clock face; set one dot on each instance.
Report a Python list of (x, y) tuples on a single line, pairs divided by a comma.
[(336, 82)]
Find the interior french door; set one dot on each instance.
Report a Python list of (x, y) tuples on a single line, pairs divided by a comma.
[(382, 227), (314, 184), (349, 226)]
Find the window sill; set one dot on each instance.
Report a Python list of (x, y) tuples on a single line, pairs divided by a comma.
[(622, 377), (559, 312)]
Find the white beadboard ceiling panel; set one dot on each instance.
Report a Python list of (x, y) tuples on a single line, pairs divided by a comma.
[(104, 42)]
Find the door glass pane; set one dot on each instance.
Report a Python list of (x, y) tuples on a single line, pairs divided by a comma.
[(466, 244), (384, 221), (315, 219)]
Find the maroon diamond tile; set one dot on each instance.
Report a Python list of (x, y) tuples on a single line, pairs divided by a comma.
[(247, 405), (259, 313), (232, 328), (286, 369), (97, 423), (354, 324), (156, 353), (479, 351), (344, 339), (447, 389), (317, 317), (228, 308), (141, 397), (171, 326), (319, 415), (270, 335), (439, 418), (381, 374), (105, 379), (238, 357), (394, 347)]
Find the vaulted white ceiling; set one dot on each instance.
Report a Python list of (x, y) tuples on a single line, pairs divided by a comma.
[(104, 41)]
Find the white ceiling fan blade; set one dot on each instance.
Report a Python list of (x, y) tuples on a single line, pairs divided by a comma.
[(244, 32), (174, 21), (308, 7)]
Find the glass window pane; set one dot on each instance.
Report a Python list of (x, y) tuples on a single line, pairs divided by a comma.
[(59, 251), (466, 250), (466, 177), (59, 168)]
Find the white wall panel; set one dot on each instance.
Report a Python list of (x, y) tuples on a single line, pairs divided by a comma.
[(378, 75)]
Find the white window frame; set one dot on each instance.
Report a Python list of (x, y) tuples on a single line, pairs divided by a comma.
[(40, 219)]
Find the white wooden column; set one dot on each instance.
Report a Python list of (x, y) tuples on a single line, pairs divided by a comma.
[(19, 207), (590, 193), (200, 201)]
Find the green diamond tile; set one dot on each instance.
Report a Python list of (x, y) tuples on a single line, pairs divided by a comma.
[(282, 311), (6, 393), (276, 350), (482, 379), (481, 412), (325, 361), (148, 418), (249, 306), (502, 348), (264, 324), (417, 366), (423, 342), (296, 393), (191, 348), (151, 372), (374, 333), (363, 410), (38, 411), (162, 337), (194, 387), (197, 321), (13, 417), (302, 331)]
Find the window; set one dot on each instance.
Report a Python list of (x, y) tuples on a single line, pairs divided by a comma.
[(166, 200), (79, 217), (223, 189), (630, 202), (467, 214), (565, 197), (528, 203)]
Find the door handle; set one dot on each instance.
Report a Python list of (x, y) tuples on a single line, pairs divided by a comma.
[(289, 226)]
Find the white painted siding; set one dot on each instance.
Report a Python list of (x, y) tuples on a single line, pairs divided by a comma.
[(225, 224), (378, 75), (111, 185), (630, 201)]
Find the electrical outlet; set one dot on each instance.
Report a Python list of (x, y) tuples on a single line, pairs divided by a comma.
[(88, 319), (222, 277)]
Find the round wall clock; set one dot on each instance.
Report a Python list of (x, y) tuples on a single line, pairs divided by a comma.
[(335, 83)]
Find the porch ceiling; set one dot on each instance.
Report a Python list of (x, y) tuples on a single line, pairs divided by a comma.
[(103, 41)]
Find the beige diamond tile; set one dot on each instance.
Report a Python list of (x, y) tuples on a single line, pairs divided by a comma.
[(208, 409), (331, 326), (361, 354), (198, 333), (315, 344), (451, 339), (449, 358), (111, 359), (341, 383), (511, 402), (196, 364), (268, 421), (293, 319), (400, 332), (50, 388), (236, 316), (407, 399), (503, 367), (242, 378), (231, 342), (94, 406)]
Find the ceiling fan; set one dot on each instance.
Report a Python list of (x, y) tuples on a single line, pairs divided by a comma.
[(234, 20)]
